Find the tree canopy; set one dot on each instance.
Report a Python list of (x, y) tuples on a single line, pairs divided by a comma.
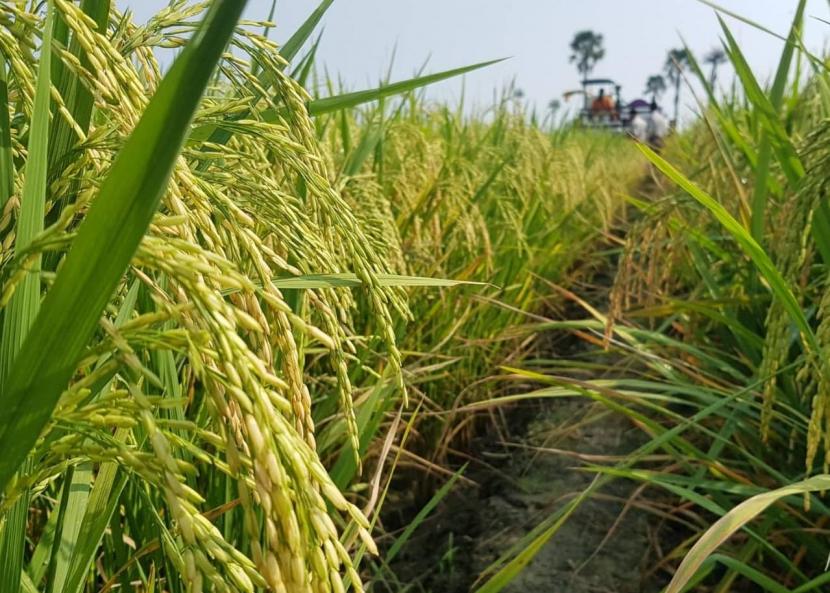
[(655, 86), (586, 50)]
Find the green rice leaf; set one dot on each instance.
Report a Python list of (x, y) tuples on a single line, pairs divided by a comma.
[(6, 161), (91, 501), (295, 43), (767, 112), (23, 307), (369, 139), (777, 285), (39, 562), (753, 574), (537, 539), (425, 511), (103, 500), (24, 304), (26, 584), (71, 516), (797, 42), (76, 97), (816, 584), (734, 520), (348, 100), (304, 68), (759, 197)]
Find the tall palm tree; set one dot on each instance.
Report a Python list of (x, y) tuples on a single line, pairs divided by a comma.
[(676, 62), (586, 51), (554, 105), (655, 86), (715, 58)]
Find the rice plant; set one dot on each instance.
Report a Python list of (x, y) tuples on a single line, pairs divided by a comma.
[(718, 314), (155, 403), (488, 198), (204, 293), (241, 306)]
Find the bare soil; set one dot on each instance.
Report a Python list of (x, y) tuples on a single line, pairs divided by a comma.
[(602, 548)]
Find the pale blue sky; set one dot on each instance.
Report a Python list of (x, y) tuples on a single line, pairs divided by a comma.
[(360, 36)]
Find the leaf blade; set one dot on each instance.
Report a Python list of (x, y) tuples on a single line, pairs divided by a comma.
[(295, 43), (778, 286), (318, 107), (734, 520), (22, 310)]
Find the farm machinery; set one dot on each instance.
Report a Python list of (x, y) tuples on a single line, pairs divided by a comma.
[(603, 106)]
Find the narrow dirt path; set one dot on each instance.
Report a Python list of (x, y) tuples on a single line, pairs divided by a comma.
[(603, 547), (606, 546)]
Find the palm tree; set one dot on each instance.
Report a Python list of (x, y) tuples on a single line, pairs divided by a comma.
[(554, 105), (676, 63), (715, 58), (655, 86), (587, 50)]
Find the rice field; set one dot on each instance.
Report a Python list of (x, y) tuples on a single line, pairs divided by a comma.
[(262, 334)]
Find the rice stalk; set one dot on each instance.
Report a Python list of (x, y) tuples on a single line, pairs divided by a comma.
[(235, 216)]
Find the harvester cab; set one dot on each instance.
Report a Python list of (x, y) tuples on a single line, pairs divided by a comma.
[(603, 106), (601, 103)]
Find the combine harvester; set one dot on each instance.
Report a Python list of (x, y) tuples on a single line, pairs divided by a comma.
[(603, 106)]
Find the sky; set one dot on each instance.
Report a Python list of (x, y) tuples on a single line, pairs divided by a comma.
[(361, 36)]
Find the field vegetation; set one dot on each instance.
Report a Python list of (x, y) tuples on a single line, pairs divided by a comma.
[(242, 309)]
